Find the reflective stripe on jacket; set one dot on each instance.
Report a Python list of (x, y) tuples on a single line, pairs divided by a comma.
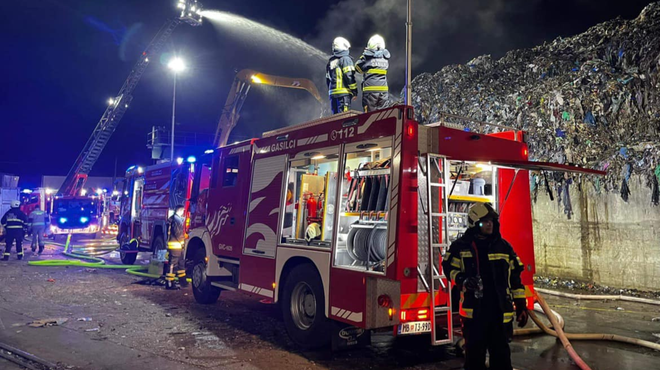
[(340, 75), (374, 64), (14, 219), (38, 218), (461, 263)]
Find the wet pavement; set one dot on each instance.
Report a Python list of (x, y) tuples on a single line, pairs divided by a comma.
[(135, 324)]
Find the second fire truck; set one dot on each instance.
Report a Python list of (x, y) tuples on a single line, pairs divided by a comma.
[(149, 198)]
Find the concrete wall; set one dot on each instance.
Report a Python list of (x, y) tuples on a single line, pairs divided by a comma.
[(607, 240)]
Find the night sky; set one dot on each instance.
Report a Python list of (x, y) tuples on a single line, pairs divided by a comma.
[(63, 59)]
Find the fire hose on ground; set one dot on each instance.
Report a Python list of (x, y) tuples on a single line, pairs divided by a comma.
[(556, 321), (599, 297), (95, 261), (557, 325)]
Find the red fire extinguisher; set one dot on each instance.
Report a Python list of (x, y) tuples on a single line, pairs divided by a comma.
[(311, 206)]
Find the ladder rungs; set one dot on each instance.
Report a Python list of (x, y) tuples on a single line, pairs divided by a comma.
[(437, 185), (441, 309), (436, 214)]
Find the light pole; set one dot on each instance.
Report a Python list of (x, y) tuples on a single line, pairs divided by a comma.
[(408, 54), (176, 65)]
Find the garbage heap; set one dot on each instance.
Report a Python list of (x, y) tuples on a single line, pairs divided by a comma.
[(592, 99)]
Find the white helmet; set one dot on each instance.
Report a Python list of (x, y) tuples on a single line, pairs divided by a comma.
[(340, 44), (313, 231), (15, 204), (376, 42), (479, 211)]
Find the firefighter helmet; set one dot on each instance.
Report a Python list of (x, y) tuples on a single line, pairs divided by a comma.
[(479, 211), (340, 44), (15, 204), (313, 231), (376, 42)]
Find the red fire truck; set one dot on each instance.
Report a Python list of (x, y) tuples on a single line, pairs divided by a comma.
[(41, 197), (344, 221), (149, 197)]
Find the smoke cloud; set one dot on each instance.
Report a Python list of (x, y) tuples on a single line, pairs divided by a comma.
[(444, 32)]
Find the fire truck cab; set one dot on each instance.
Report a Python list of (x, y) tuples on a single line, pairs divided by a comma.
[(76, 215), (343, 221), (149, 197)]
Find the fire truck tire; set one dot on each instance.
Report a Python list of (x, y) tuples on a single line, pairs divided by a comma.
[(303, 308), (159, 244), (204, 292), (126, 258)]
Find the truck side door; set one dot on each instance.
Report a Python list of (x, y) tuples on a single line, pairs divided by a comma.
[(226, 202)]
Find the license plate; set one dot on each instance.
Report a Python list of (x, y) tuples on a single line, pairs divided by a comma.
[(415, 327)]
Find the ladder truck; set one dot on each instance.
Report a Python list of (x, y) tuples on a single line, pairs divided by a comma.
[(71, 193)]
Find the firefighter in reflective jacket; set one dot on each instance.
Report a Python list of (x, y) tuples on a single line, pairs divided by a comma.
[(487, 271), (374, 64), (14, 222), (38, 221), (176, 269), (340, 76)]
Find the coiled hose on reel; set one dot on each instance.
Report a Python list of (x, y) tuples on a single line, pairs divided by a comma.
[(367, 245)]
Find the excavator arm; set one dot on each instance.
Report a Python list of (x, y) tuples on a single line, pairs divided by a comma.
[(242, 82)]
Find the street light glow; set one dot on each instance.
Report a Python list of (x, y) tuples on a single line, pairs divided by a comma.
[(256, 79), (176, 65), (111, 101)]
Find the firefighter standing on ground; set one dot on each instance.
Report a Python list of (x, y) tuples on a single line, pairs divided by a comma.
[(340, 76), (14, 222), (374, 64), (487, 270), (38, 220), (175, 259)]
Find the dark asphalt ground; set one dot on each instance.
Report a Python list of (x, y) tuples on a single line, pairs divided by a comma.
[(135, 324)]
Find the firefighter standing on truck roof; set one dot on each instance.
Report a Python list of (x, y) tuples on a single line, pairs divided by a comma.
[(487, 271), (340, 77), (37, 221), (175, 259), (374, 64), (14, 222)]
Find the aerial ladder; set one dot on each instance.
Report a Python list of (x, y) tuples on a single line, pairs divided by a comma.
[(241, 86), (75, 180)]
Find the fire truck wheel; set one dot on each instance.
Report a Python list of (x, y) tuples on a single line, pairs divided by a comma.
[(126, 258), (159, 244), (204, 292), (303, 306)]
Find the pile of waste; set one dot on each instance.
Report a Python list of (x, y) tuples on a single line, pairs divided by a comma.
[(592, 99), (554, 282)]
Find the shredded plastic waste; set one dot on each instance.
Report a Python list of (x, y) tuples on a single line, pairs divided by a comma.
[(602, 85)]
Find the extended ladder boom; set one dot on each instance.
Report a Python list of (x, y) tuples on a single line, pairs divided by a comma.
[(191, 13), (117, 106)]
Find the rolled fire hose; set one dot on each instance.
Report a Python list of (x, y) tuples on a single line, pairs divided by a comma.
[(599, 297), (95, 262)]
